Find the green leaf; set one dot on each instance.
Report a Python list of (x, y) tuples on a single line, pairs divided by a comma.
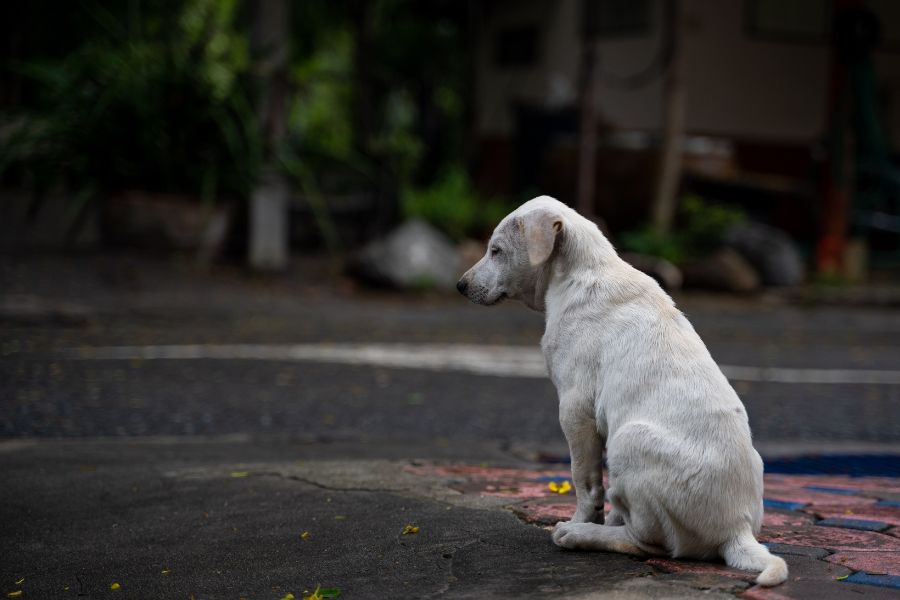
[(330, 592)]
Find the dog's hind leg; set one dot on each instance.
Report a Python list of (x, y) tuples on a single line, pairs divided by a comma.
[(591, 536), (744, 552)]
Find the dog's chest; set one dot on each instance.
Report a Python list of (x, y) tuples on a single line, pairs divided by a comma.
[(569, 354)]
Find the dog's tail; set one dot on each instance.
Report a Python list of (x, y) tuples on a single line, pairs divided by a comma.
[(744, 552)]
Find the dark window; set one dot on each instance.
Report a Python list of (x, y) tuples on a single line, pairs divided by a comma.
[(789, 21), (517, 47), (616, 18)]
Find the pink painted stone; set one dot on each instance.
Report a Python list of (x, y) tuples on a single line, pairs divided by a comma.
[(874, 563), (546, 513), (497, 482), (888, 484), (832, 538), (780, 519), (522, 490), (885, 514), (689, 566), (758, 592), (791, 494)]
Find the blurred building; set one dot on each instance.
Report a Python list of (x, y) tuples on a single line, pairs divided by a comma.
[(755, 73)]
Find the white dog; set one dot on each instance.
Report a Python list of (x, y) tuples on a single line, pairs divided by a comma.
[(632, 375)]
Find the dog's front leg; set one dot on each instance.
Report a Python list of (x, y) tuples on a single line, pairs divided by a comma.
[(586, 450)]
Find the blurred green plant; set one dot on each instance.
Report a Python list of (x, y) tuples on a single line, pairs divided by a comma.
[(161, 106), (452, 205), (649, 241), (701, 227), (378, 92), (320, 111)]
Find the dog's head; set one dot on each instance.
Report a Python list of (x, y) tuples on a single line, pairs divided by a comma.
[(517, 255)]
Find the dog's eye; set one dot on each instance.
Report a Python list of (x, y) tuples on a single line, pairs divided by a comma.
[(495, 250)]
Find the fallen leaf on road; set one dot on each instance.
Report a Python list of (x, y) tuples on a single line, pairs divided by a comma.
[(409, 529), (240, 473), (560, 488), (841, 578), (21, 581), (305, 535), (165, 571), (15, 594), (115, 586), (314, 596), (321, 593), (288, 596)]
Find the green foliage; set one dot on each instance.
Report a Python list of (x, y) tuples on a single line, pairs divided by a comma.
[(705, 223), (702, 226), (320, 113), (379, 87), (451, 205), (652, 242), (161, 109)]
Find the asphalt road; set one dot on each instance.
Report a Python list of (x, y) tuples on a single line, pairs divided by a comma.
[(139, 302), (196, 478)]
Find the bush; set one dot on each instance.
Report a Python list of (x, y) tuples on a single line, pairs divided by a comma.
[(702, 227), (162, 110), (451, 205)]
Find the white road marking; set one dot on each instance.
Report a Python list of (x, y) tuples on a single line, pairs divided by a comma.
[(507, 361)]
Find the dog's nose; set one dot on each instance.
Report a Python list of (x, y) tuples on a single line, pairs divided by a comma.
[(461, 285)]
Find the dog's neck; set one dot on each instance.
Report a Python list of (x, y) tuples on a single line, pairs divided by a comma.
[(585, 262)]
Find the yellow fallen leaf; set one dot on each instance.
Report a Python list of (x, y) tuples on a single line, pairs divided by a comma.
[(115, 586), (560, 488), (21, 581), (165, 571), (410, 529), (288, 596), (15, 594), (305, 535), (315, 595), (339, 517), (240, 473), (841, 578)]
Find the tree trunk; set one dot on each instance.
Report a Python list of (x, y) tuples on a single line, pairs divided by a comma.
[(674, 111), (587, 127), (269, 203)]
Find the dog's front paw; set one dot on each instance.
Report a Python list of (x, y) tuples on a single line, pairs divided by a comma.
[(569, 534)]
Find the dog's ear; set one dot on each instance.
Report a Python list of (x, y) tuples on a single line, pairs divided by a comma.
[(540, 228)]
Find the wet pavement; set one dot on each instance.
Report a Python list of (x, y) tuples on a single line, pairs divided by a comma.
[(197, 478)]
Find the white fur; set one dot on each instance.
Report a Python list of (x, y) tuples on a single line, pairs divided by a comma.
[(635, 379)]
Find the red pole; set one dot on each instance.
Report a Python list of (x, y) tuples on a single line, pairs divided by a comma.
[(837, 185)]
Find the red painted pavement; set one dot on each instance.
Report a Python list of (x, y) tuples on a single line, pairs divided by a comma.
[(842, 497)]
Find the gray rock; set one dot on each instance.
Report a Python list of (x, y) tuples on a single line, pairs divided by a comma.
[(664, 272), (771, 252), (415, 255), (470, 252), (724, 270)]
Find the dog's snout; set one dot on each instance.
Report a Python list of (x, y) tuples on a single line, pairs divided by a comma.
[(462, 285)]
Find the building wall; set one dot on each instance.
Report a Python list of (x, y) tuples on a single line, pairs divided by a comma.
[(737, 85)]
